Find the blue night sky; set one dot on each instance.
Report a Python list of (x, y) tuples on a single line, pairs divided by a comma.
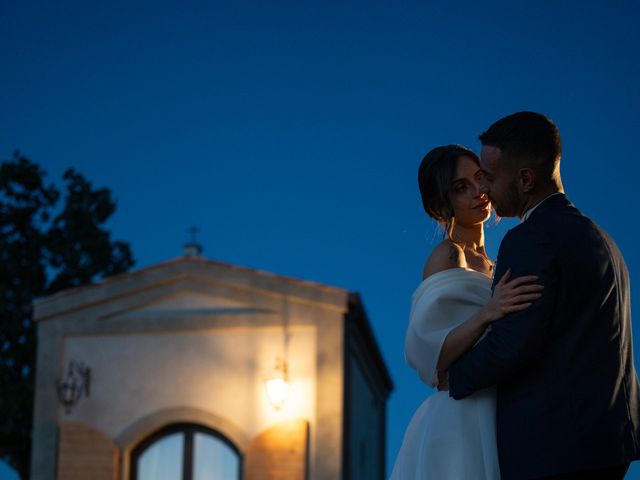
[(290, 133)]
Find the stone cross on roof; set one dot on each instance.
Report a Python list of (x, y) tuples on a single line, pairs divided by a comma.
[(193, 248)]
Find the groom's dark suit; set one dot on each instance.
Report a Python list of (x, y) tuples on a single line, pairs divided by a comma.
[(568, 396)]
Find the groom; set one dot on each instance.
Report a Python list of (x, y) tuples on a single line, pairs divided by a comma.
[(568, 395)]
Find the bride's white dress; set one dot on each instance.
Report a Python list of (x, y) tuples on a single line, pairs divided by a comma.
[(447, 439)]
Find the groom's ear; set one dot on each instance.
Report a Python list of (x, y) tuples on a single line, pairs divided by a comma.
[(526, 179)]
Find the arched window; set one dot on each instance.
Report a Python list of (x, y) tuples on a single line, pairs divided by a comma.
[(185, 452)]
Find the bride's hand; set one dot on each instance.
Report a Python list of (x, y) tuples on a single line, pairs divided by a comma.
[(511, 296)]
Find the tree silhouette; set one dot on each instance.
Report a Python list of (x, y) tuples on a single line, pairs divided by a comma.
[(43, 249)]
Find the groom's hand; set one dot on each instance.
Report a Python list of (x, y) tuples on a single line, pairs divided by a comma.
[(443, 381)]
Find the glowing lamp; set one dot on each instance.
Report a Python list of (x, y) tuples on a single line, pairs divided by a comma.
[(278, 386), (278, 392)]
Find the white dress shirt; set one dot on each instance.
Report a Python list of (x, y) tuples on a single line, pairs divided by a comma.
[(528, 213)]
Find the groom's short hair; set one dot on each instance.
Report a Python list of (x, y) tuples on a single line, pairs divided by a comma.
[(526, 138)]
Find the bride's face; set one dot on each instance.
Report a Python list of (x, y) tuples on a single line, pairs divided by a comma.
[(470, 206)]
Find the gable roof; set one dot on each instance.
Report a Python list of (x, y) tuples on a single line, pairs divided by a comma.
[(184, 267)]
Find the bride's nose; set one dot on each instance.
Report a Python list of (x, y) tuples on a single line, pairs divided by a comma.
[(481, 192)]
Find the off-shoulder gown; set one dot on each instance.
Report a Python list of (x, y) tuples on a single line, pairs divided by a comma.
[(446, 439)]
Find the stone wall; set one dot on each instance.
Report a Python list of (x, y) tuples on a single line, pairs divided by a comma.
[(279, 453), (86, 454)]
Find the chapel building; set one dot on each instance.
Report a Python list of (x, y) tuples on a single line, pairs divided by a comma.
[(193, 369)]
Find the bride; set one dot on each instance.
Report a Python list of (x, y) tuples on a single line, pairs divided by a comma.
[(452, 307)]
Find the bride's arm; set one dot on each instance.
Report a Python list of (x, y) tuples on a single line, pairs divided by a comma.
[(462, 338), (508, 296)]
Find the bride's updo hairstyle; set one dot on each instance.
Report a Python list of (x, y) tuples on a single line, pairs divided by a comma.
[(435, 179)]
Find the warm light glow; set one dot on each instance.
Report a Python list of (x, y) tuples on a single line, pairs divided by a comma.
[(277, 391)]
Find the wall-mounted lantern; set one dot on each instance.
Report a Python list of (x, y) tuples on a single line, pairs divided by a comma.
[(74, 385), (278, 385)]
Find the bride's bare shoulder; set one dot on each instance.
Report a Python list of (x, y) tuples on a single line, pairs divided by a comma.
[(444, 256)]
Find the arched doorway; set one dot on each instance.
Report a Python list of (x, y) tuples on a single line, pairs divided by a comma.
[(186, 452)]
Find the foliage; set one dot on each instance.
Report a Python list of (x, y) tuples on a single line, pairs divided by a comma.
[(44, 248)]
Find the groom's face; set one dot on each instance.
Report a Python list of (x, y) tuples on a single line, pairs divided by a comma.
[(499, 183)]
